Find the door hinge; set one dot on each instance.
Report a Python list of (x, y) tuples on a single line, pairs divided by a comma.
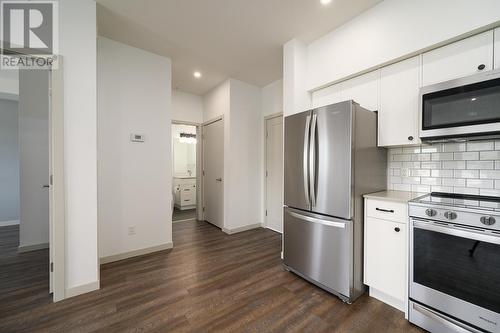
[(266, 212), (267, 173), (203, 172), (267, 134), (51, 180), (51, 267)]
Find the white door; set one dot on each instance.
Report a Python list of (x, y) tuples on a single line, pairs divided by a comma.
[(213, 172), (274, 173), (497, 48)]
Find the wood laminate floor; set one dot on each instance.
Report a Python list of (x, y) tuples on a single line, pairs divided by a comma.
[(182, 215), (209, 282)]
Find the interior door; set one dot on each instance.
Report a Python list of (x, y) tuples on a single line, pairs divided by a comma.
[(331, 150), (213, 169), (296, 159), (274, 173)]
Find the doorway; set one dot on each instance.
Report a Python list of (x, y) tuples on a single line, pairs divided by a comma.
[(185, 181), (213, 172), (31, 173), (274, 173)]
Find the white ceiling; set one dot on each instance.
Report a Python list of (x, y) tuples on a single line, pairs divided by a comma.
[(241, 39)]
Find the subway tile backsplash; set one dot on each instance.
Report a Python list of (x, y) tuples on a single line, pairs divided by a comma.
[(469, 168)]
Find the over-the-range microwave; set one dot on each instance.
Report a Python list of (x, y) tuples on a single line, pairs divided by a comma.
[(461, 109)]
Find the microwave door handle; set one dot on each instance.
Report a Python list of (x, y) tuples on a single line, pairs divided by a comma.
[(312, 161), (458, 232), (305, 159)]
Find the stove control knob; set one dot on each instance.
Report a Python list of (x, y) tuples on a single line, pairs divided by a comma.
[(450, 215), (488, 220), (430, 212)]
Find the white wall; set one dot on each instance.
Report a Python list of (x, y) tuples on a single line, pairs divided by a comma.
[(243, 205), (9, 161), (77, 35), (241, 105), (272, 103), (34, 157), (187, 107), (296, 98), (272, 98), (392, 30), (9, 82), (134, 178)]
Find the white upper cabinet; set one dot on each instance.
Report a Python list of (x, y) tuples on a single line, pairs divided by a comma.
[(363, 89), (398, 116), (465, 57), (497, 48), (327, 96)]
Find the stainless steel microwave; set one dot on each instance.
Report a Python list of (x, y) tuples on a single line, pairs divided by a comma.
[(463, 108)]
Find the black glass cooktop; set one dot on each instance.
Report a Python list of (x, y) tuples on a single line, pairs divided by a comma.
[(461, 200)]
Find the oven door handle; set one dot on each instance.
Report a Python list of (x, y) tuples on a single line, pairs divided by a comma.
[(454, 230), (448, 322)]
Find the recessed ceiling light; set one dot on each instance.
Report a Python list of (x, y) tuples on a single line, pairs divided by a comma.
[(197, 74), (325, 2)]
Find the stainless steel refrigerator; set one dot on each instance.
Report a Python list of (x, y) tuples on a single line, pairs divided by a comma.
[(331, 160)]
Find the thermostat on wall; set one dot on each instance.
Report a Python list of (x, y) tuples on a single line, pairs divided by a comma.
[(137, 137)]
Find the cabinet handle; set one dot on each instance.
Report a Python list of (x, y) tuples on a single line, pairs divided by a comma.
[(397, 229), (481, 67), (410, 138), (385, 210)]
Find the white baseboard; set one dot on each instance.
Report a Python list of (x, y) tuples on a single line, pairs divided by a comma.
[(272, 229), (35, 247), (136, 253), (82, 289), (8, 223), (241, 229), (387, 299)]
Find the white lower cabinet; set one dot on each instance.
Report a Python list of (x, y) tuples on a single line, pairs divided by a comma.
[(385, 253)]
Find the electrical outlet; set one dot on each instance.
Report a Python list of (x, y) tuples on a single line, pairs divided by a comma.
[(131, 230), (405, 172)]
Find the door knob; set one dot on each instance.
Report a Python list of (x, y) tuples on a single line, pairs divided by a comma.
[(45, 186), (219, 179)]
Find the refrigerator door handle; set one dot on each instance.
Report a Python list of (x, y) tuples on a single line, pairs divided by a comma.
[(316, 220), (312, 161), (305, 159)]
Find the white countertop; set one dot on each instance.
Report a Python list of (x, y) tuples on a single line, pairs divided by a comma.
[(398, 196)]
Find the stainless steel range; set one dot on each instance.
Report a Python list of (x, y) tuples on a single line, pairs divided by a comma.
[(455, 263)]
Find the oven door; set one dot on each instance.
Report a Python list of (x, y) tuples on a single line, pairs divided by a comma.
[(462, 107), (456, 271)]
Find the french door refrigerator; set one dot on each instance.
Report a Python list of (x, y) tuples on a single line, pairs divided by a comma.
[(331, 160)]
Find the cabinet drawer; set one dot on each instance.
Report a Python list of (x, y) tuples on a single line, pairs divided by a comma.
[(387, 210)]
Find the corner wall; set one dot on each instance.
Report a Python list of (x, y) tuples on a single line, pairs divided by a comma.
[(135, 179)]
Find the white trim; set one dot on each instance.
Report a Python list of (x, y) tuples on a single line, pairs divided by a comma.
[(241, 229), (35, 247), (136, 253), (213, 120), (8, 223), (265, 226), (186, 220), (82, 289), (387, 299)]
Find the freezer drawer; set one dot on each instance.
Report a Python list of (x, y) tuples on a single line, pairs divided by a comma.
[(320, 249)]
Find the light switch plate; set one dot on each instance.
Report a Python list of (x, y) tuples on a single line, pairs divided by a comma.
[(137, 137)]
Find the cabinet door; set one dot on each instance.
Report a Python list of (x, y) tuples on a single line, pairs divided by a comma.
[(497, 48), (385, 257), (398, 115), (363, 89), (459, 59)]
